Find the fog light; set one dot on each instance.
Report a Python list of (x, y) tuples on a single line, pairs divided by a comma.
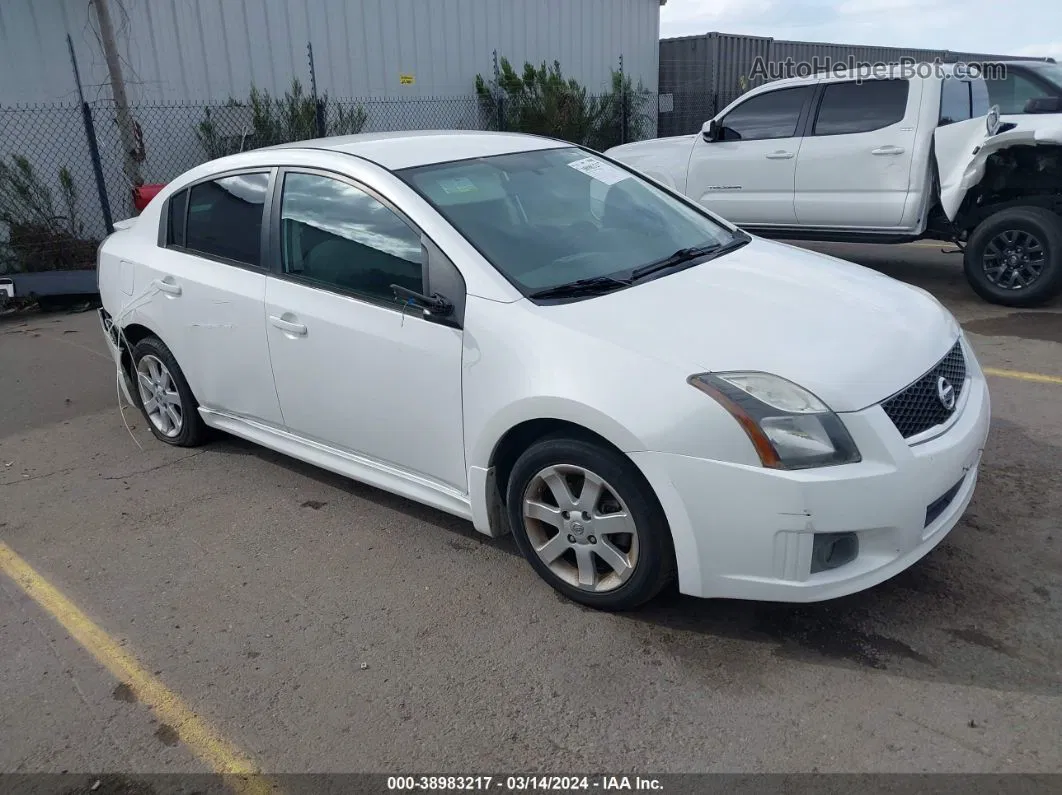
[(831, 550)]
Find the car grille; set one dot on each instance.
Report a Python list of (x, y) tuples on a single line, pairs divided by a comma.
[(919, 407)]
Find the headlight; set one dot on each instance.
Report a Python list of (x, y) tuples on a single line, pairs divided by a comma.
[(789, 427)]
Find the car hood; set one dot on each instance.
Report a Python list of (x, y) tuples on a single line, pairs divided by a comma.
[(847, 333)]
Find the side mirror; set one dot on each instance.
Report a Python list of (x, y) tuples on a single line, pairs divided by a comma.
[(1043, 105), (434, 303), (710, 131)]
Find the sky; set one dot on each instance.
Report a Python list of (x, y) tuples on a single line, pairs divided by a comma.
[(996, 27)]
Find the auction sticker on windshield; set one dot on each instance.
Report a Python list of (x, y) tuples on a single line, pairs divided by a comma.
[(458, 185), (599, 170)]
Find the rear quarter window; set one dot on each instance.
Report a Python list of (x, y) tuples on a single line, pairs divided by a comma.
[(177, 210)]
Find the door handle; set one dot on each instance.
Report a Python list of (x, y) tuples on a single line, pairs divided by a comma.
[(781, 154), (288, 326), (887, 150), (164, 286)]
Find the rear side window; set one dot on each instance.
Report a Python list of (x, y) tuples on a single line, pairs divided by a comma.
[(225, 217), (861, 107), (178, 207), (771, 115)]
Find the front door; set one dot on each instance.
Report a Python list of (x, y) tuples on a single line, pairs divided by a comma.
[(747, 175), (354, 369)]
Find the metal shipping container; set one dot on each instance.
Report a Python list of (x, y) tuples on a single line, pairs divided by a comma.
[(700, 75)]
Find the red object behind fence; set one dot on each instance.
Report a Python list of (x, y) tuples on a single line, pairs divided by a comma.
[(142, 194)]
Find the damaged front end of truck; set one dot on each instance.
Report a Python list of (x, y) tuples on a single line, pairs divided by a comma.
[(999, 197)]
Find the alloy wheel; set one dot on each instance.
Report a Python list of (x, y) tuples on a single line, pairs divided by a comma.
[(580, 528), (159, 395), (1014, 259)]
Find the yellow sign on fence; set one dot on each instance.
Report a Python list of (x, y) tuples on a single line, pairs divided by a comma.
[(406, 80)]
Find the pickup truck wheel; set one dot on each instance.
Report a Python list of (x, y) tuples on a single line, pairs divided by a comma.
[(1014, 257)]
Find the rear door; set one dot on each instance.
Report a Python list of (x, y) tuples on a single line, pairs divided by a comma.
[(854, 166), (203, 291)]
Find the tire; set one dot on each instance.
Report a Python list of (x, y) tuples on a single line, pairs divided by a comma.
[(154, 364), (625, 501), (1032, 232)]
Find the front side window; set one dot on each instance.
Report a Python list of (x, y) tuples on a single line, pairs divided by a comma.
[(338, 236), (771, 115), (1015, 89), (225, 217), (550, 217), (865, 106)]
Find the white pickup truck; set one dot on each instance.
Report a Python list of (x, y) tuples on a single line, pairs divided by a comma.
[(884, 155)]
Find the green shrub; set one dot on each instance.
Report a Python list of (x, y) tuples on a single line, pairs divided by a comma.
[(38, 237), (542, 101), (276, 120)]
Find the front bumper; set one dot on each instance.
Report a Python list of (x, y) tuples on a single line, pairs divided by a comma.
[(748, 532)]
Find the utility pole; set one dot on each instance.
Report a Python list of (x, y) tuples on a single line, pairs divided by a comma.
[(126, 127)]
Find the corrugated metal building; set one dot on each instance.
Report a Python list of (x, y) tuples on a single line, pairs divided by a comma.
[(402, 64), (700, 75), (198, 50)]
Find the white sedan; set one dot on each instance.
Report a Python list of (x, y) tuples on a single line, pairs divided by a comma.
[(532, 336)]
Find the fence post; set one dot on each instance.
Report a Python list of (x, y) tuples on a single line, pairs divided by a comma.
[(624, 107), (93, 145), (499, 93), (97, 166), (318, 105)]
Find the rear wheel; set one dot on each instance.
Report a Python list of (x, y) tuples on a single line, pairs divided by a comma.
[(165, 398), (1014, 257), (589, 524)]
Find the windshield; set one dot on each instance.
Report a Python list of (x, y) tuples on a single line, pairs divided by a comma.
[(554, 216)]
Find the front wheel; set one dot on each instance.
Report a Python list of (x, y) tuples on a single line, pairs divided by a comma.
[(589, 524), (1014, 257)]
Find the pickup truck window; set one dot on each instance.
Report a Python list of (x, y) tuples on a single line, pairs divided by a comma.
[(848, 108), (1012, 92), (956, 102), (765, 116)]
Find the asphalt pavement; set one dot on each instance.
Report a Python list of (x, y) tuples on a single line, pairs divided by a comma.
[(226, 604)]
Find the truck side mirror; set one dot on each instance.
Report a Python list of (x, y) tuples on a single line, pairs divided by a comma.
[(710, 131)]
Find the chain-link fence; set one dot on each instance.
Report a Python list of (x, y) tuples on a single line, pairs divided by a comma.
[(64, 172), (50, 214)]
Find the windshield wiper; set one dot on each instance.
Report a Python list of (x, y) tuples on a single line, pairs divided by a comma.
[(592, 286), (684, 255)]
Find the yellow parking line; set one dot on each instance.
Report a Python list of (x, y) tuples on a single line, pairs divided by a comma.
[(1039, 378), (201, 739)]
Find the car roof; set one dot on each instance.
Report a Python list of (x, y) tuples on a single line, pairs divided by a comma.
[(396, 150)]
